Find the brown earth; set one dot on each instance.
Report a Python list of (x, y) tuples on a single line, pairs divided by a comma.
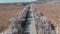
[(51, 11), (8, 11)]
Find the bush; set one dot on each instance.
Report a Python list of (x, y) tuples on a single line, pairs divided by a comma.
[(2, 28)]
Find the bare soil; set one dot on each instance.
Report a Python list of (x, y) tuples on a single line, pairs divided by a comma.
[(51, 11), (8, 11)]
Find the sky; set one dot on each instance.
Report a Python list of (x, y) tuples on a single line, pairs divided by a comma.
[(15, 1)]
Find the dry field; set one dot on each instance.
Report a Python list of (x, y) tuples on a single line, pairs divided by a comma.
[(51, 11), (8, 11)]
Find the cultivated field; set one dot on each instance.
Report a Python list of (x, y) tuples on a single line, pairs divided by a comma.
[(8, 11), (51, 11)]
